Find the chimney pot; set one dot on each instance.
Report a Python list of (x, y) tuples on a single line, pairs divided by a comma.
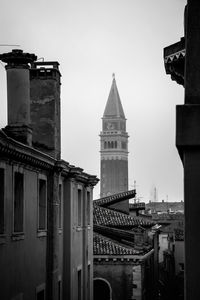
[(18, 91)]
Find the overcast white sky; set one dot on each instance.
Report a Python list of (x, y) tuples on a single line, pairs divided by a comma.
[(91, 39)]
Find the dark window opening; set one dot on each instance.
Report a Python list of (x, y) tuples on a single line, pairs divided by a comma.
[(2, 192), (42, 204), (18, 202), (60, 207), (101, 290), (79, 207), (59, 290), (88, 282), (79, 285), (41, 295), (88, 207)]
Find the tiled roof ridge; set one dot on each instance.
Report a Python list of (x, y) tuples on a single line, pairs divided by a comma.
[(106, 246), (111, 214), (108, 200), (126, 234)]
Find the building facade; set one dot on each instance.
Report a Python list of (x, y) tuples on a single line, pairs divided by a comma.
[(46, 215), (125, 252)]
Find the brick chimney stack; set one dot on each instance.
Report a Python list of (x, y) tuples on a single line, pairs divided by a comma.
[(45, 107), (18, 94)]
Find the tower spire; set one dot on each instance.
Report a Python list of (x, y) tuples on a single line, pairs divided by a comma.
[(114, 107)]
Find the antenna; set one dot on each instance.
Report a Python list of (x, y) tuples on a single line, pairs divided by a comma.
[(167, 203)]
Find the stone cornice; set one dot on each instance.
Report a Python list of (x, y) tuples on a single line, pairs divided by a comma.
[(10, 148), (123, 258), (77, 173), (174, 60)]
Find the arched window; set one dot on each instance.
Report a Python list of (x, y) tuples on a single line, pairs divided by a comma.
[(105, 145), (109, 145), (112, 144), (102, 289), (115, 144)]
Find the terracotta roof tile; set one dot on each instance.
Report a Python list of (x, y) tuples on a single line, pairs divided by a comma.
[(105, 246), (108, 217), (106, 201)]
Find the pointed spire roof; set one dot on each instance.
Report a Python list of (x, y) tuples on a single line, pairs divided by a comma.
[(114, 106)]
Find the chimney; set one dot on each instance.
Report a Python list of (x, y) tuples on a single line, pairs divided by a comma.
[(18, 94), (45, 107)]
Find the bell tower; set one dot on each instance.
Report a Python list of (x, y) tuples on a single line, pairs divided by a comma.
[(114, 148)]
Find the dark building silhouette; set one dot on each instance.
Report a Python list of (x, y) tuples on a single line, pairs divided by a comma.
[(182, 62)]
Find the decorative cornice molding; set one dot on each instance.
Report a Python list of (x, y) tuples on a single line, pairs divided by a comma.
[(174, 60), (12, 149)]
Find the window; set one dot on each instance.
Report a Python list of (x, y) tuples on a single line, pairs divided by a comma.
[(2, 193), (88, 282), (79, 207), (60, 207), (79, 285), (18, 202), (41, 295), (42, 205), (88, 207), (40, 292), (59, 289)]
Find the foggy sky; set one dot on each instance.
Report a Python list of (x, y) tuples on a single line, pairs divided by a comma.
[(91, 40)]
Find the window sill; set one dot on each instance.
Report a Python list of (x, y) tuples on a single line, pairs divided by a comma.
[(2, 239), (78, 228), (17, 236), (41, 233)]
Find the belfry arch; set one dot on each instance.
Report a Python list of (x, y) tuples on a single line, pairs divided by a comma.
[(102, 289)]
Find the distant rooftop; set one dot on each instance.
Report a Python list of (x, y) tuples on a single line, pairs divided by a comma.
[(165, 206)]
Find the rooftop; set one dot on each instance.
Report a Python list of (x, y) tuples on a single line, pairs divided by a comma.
[(106, 201), (106, 246), (109, 217)]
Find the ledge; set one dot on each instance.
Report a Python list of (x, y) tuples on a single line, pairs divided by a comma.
[(2, 239), (18, 236), (79, 228), (41, 233)]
